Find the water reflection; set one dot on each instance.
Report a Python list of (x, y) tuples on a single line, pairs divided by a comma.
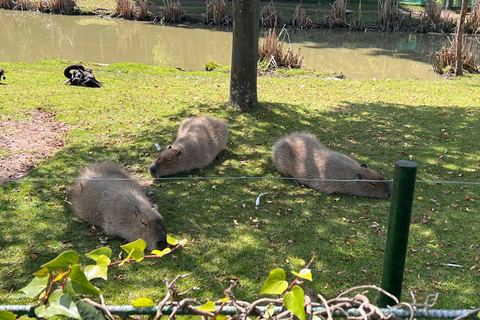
[(31, 37)]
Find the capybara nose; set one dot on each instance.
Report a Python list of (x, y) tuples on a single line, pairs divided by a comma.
[(153, 171)]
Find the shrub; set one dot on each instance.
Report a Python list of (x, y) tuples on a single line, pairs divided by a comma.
[(269, 17), (338, 16), (271, 52), (216, 13), (6, 4), (172, 11), (444, 60), (125, 9), (473, 20), (300, 18)]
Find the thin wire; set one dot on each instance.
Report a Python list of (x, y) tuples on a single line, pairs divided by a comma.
[(233, 178)]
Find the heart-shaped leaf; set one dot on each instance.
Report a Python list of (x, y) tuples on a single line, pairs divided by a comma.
[(58, 304), (209, 306), (99, 253), (304, 274), (275, 283), (89, 312), (143, 302), (161, 253), (99, 270), (135, 250), (295, 302), (63, 261), (34, 288), (7, 315), (80, 283)]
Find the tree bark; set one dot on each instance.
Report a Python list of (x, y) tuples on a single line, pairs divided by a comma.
[(243, 79), (460, 31)]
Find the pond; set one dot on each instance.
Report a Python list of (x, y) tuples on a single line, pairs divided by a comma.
[(31, 37)]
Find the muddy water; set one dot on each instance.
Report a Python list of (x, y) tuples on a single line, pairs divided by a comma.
[(31, 37)]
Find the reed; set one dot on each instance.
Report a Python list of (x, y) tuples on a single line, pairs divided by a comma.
[(172, 11), (444, 60), (62, 6), (473, 20), (126, 9), (7, 4), (300, 18), (388, 15), (270, 52), (24, 5), (338, 15), (142, 13), (216, 13), (269, 17)]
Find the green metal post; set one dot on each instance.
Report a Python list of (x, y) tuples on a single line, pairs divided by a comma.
[(397, 231)]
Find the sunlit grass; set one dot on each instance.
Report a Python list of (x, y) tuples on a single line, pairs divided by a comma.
[(376, 122)]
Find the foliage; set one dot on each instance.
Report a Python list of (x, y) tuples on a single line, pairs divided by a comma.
[(338, 17), (269, 16), (271, 52), (444, 60), (375, 122), (126, 9), (216, 13), (60, 286), (172, 11), (472, 24), (300, 18)]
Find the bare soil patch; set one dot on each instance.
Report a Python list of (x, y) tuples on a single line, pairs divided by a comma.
[(23, 142)]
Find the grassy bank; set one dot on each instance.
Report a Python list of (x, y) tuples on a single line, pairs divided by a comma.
[(434, 123)]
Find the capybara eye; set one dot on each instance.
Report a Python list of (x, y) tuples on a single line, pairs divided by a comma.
[(145, 223), (372, 184)]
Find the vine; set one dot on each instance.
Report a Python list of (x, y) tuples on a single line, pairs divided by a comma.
[(62, 287)]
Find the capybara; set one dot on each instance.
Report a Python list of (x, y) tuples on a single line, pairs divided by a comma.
[(109, 199), (301, 155), (199, 140)]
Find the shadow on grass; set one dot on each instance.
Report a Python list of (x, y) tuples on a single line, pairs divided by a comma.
[(229, 235)]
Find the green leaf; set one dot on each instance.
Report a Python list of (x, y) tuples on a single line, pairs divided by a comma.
[(209, 306), (63, 261), (297, 261), (99, 270), (42, 272), (58, 304), (80, 283), (143, 302), (172, 241), (275, 283), (89, 312), (161, 253), (295, 302), (34, 288), (99, 253), (304, 274), (221, 317), (7, 315), (135, 250), (270, 312)]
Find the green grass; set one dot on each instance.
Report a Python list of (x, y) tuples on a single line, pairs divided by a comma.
[(435, 123)]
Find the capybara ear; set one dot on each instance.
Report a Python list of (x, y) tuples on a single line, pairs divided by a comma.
[(363, 165), (360, 176), (169, 147)]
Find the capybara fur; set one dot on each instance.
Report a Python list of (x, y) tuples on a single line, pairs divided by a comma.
[(119, 207), (199, 140), (301, 155)]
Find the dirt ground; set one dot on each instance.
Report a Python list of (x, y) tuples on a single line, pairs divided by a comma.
[(24, 142)]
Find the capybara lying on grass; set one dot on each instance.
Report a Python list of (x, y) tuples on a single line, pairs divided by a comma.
[(198, 143), (120, 207), (301, 155)]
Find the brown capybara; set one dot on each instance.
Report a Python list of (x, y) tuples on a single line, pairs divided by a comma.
[(109, 199), (301, 155), (199, 140)]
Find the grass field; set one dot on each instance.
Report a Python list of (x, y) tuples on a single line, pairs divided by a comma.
[(434, 123)]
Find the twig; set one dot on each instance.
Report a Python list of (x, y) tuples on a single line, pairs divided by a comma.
[(99, 306)]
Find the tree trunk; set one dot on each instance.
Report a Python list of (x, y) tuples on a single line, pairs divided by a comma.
[(243, 80), (460, 31)]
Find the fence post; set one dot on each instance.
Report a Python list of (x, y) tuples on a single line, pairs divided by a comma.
[(397, 231)]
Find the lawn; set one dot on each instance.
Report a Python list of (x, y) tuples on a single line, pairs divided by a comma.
[(434, 123)]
